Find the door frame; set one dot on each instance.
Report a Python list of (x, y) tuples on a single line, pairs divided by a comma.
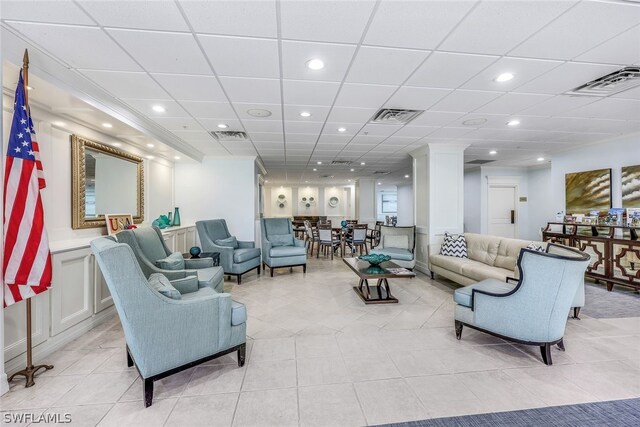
[(504, 181)]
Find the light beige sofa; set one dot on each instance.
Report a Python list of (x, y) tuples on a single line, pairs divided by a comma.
[(489, 257)]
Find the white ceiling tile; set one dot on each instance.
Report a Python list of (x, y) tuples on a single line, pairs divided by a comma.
[(302, 127), (579, 30), (150, 15), (418, 98), (452, 132), (241, 56), (306, 146), (127, 84), (498, 26), (242, 108), (449, 70), (262, 91), (180, 52), (91, 47), (302, 137), (237, 17), (267, 137), (318, 113), (511, 103), (262, 125), (336, 57), (399, 141), (566, 77), (191, 88), (609, 108), (364, 95), (209, 110), (187, 135), (45, 11), (435, 118), (413, 24), (173, 109), (351, 129), (212, 124), (328, 21), (327, 139), (523, 69), (414, 131), (633, 93), (177, 123), (302, 92), (623, 49), (558, 105), (351, 115), (384, 65), (379, 130), (366, 140), (465, 100)]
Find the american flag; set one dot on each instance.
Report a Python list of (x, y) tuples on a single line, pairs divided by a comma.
[(27, 260)]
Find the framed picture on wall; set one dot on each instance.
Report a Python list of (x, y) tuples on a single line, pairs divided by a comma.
[(631, 186), (118, 222), (587, 191)]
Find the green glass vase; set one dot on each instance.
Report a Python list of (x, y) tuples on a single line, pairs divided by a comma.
[(176, 217)]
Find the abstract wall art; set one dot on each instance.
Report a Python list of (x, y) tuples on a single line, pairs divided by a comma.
[(586, 191), (631, 186)]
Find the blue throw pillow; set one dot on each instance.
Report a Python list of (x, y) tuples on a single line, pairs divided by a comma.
[(160, 283), (281, 240), (229, 242), (175, 261)]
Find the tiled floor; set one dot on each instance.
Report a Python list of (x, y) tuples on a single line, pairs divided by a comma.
[(317, 356)]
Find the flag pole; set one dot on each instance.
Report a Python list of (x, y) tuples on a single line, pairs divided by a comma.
[(30, 371)]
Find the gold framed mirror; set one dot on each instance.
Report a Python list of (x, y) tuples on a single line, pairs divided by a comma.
[(104, 180)]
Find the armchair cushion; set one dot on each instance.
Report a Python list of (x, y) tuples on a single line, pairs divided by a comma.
[(185, 285), (161, 284), (175, 261), (195, 263), (286, 251), (395, 253), (242, 255), (230, 242), (238, 313), (399, 241), (463, 296), (281, 240)]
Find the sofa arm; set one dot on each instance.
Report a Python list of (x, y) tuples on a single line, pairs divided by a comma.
[(195, 263), (246, 245), (187, 285)]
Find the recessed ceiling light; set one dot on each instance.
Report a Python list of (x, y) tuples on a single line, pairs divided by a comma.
[(352, 170), (513, 122), (266, 180), (342, 129), (475, 122), (150, 145), (150, 157), (315, 64), (540, 159), (58, 123), (348, 180), (315, 170), (305, 114), (107, 125), (362, 163), (406, 176), (176, 157), (306, 182), (117, 144), (379, 183), (29, 88), (259, 112), (223, 126), (493, 152), (319, 163), (504, 77), (158, 109)]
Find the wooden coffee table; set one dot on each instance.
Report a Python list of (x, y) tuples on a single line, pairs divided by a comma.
[(381, 273)]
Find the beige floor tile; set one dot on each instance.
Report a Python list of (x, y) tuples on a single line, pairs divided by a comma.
[(80, 416), (135, 414), (215, 379), (605, 380), (205, 411), (98, 388), (374, 366), (61, 360), (20, 418), (419, 363), (270, 375), (317, 346), (445, 395), (267, 408), (273, 349), (329, 406), (499, 392), (171, 386), (387, 401), (45, 392), (117, 362), (322, 370)]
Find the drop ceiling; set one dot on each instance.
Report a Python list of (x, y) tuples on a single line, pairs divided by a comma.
[(209, 62)]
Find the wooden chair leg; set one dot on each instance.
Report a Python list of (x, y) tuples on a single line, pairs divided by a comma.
[(242, 353), (576, 312), (148, 392), (458, 329), (545, 351), (129, 358), (561, 345)]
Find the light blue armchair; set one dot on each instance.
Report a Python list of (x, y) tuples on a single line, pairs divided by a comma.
[(280, 248), (235, 261), (149, 248), (535, 311), (399, 243), (164, 335)]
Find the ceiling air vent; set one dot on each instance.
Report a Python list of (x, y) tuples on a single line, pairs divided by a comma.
[(229, 135), (392, 116), (341, 162), (479, 162), (326, 176), (618, 81), (381, 173)]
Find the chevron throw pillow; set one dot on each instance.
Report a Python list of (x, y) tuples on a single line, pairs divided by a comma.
[(535, 247), (454, 245)]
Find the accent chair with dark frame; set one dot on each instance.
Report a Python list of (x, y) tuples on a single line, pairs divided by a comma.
[(280, 248), (535, 311)]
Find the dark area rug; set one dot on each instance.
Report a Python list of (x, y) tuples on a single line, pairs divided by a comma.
[(602, 304), (614, 413)]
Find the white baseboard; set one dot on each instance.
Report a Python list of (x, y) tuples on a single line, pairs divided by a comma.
[(4, 385), (422, 267), (41, 351)]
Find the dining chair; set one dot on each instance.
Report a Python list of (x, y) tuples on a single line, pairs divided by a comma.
[(373, 235), (358, 238), (327, 240), (311, 236)]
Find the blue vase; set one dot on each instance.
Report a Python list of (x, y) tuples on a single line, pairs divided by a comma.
[(176, 217), (170, 218)]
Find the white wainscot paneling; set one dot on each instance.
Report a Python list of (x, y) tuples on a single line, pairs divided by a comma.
[(181, 238), (102, 296), (72, 289), (15, 325)]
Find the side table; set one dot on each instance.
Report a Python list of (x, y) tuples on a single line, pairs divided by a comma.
[(214, 255)]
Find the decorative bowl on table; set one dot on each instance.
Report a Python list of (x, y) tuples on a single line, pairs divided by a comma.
[(344, 223), (374, 259), (195, 252)]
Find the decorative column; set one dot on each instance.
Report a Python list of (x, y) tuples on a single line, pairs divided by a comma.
[(366, 200), (438, 188)]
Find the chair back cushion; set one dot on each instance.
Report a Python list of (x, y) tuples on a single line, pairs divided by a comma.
[(482, 248), (160, 283), (277, 226), (229, 242), (150, 243), (410, 232), (281, 240), (360, 234), (175, 261), (212, 230), (391, 241)]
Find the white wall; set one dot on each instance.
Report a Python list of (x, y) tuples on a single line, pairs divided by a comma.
[(472, 217), (320, 205), (365, 200), (405, 205), (219, 187), (539, 197)]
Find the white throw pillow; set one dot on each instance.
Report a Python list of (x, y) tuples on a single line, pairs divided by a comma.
[(398, 241), (454, 245)]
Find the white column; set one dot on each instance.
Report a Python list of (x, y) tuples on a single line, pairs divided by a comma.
[(405, 205), (438, 182), (366, 200)]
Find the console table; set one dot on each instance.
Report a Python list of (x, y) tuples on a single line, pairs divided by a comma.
[(614, 250)]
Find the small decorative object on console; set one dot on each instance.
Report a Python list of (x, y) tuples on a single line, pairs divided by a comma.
[(162, 222), (118, 222), (195, 252), (344, 223), (633, 217), (374, 259), (176, 217)]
